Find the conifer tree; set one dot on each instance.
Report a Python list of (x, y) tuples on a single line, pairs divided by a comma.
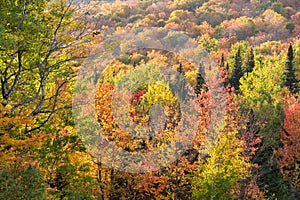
[(291, 80), (237, 72), (200, 82), (250, 62), (180, 68), (227, 67), (223, 70), (222, 62)]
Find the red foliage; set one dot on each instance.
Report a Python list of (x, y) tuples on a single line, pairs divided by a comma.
[(290, 136)]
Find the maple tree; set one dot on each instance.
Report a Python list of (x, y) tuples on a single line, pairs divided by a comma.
[(255, 48), (289, 151)]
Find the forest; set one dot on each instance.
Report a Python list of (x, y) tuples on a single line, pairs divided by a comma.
[(149, 99)]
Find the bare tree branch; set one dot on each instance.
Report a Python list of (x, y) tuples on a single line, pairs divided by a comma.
[(52, 110)]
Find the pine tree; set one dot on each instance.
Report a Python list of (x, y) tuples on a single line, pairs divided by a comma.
[(291, 80), (237, 72), (250, 62)]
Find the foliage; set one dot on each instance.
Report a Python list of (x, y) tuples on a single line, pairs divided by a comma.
[(255, 46), (219, 174), (289, 152)]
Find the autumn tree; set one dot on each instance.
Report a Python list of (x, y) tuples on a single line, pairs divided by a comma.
[(289, 152), (252, 141), (220, 172), (261, 92), (37, 65)]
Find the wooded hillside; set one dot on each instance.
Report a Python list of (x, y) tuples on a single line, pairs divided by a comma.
[(230, 82)]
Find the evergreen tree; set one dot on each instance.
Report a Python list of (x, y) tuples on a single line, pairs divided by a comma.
[(180, 68), (222, 62), (291, 80), (200, 82), (227, 67), (250, 62), (223, 70), (237, 72)]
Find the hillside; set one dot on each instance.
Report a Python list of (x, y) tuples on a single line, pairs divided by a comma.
[(181, 99)]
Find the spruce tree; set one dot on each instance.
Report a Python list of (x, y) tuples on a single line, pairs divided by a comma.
[(237, 72), (200, 82), (291, 79), (250, 61)]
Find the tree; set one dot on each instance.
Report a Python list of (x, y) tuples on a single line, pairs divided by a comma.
[(200, 82), (180, 69), (38, 54), (279, 8), (291, 79), (223, 71), (250, 63), (209, 43), (239, 62), (224, 167), (290, 26), (252, 140), (237, 72), (289, 152), (222, 62), (242, 27), (181, 20), (26, 184), (261, 92)]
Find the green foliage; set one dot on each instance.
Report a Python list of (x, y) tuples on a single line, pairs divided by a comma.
[(237, 72), (35, 63), (290, 26), (261, 92), (279, 8), (259, 88), (189, 5), (210, 44), (42, 43), (250, 62), (24, 184), (240, 62), (219, 174), (66, 175), (210, 13), (268, 48), (291, 80)]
